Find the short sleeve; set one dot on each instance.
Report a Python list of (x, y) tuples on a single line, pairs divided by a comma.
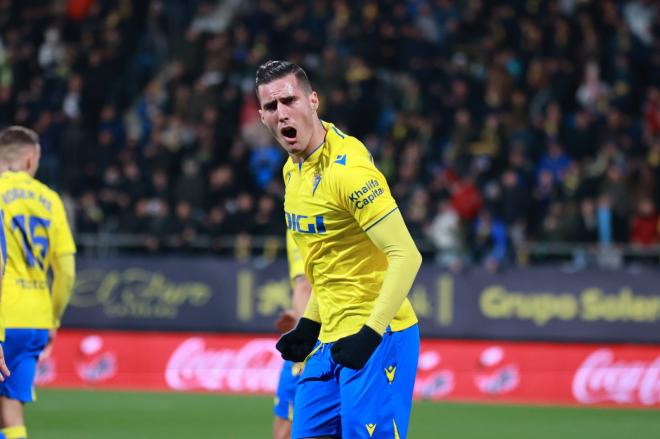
[(362, 190), (62, 238)]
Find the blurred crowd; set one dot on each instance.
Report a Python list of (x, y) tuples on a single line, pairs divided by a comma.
[(496, 122)]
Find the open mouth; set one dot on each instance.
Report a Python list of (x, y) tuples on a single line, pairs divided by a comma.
[(289, 133)]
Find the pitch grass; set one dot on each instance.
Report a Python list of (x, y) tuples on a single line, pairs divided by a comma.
[(75, 414)]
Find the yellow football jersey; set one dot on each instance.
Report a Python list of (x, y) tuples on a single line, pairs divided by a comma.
[(296, 266), (36, 230), (3, 244), (331, 200), (3, 256)]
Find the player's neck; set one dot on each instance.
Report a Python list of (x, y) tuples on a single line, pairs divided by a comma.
[(21, 164), (315, 142), (15, 169)]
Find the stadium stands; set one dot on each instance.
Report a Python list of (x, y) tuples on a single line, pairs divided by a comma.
[(498, 123)]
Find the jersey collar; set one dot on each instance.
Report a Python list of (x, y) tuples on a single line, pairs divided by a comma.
[(331, 136), (10, 173)]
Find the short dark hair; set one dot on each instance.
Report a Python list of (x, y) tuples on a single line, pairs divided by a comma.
[(276, 69), (15, 141), (18, 135)]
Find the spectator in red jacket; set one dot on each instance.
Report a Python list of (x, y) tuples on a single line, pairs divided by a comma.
[(645, 224)]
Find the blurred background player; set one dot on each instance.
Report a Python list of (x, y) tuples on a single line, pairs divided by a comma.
[(3, 261), (286, 388), (38, 238), (361, 261)]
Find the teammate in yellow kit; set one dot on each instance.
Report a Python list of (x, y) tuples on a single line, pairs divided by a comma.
[(3, 261), (290, 375), (38, 240), (361, 262)]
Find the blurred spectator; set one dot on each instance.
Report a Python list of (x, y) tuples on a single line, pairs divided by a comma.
[(416, 212), (221, 187), (241, 214), (133, 187), (581, 136), (267, 220), (185, 228), (639, 17), (445, 233), (72, 100), (190, 186), (465, 198), (52, 51), (587, 223), (604, 218), (617, 193), (265, 164), (645, 228), (593, 93), (111, 196), (515, 198), (559, 223), (489, 241), (554, 161), (89, 218), (652, 112)]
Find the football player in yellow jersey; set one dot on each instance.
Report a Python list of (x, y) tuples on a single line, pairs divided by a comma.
[(290, 375), (3, 260), (38, 240), (359, 334)]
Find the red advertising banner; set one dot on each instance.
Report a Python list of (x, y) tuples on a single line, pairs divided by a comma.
[(484, 371)]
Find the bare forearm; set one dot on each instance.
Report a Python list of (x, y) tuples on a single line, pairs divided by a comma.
[(301, 292)]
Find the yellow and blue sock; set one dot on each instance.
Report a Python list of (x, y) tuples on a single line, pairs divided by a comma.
[(16, 432)]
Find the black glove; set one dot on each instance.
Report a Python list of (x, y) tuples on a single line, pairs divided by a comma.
[(296, 344), (355, 350)]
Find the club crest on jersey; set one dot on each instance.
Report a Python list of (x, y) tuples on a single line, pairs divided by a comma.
[(305, 224)]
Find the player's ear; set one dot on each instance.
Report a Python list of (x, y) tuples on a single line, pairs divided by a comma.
[(314, 101), (32, 160), (28, 164), (261, 113)]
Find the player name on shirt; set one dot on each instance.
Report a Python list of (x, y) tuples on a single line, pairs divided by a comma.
[(23, 194), (367, 194)]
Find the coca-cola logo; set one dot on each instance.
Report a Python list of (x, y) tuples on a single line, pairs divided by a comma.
[(494, 376), (253, 367), (602, 378)]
